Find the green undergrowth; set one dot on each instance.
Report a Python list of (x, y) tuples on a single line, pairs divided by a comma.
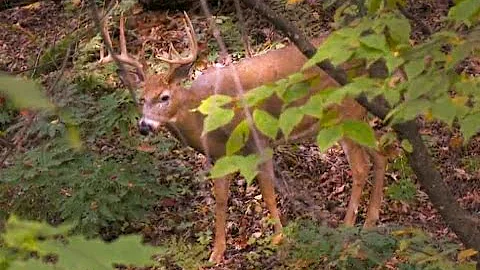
[(82, 162), (310, 246)]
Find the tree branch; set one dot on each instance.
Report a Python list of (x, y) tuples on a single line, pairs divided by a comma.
[(464, 225)]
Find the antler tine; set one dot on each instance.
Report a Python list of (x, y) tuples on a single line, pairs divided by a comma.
[(124, 56), (193, 43), (107, 39)]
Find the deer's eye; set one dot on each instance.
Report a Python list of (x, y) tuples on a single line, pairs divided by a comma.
[(165, 98)]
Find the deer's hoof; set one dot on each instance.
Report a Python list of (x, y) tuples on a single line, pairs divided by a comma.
[(277, 239), (216, 256)]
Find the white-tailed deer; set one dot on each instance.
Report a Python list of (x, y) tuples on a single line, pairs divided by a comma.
[(167, 102)]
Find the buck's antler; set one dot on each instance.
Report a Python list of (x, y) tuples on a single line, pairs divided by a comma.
[(124, 57), (178, 59)]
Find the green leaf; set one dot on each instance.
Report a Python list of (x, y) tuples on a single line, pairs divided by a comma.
[(230, 164), (213, 103), (296, 78), (248, 167), (314, 106), (217, 118), (460, 52), (225, 166), (80, 254), (359, 132), (393, 62), (328, 136), (373, 5), (375, 41), (414, 68), (266, 123), (31, 264), (255, 96), (289, 119), (337, 47), (392, 95), (408, 110), (470, 125), (407, 146), (399, 29), (24, 93), (238, 138), (464, 11), (295, 91), (444, 110), (420, 86), (361, 85)]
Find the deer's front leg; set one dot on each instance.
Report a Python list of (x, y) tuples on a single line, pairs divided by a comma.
[(220, 190), (358, 160), (265, 180)]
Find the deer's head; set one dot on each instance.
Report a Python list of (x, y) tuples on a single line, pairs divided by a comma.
[(162, 94)]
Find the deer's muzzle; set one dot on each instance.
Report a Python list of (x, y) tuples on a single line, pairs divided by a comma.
[(145, 126)]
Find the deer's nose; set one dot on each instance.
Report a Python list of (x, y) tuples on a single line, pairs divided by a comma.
[(144, 128)]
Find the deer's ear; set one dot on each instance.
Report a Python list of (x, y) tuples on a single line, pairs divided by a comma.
[(178, 72), (130, 79)]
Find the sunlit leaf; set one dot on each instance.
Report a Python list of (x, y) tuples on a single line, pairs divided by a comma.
[(408, 110), (289, 119), (467, 253), (414, 68), (266, 123), (375, 41), (407, 146), (238, 138), (328, 136), (399, 29), (217, 118), (295, 91), (225, 166), (465, 11), (247, 166), (443, 109), (470, 125), (337, 48), (255, 96), (359, 132), (212, 103), (373, 5)]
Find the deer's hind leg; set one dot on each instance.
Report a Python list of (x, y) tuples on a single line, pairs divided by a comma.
[(379, 166), (359, 164), (265, 180)]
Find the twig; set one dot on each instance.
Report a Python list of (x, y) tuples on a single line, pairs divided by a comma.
[(5, 143), (7, 154), (243, 32), (37, 60), (62, 70)]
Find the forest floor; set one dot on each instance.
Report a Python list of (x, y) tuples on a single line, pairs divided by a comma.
[(316, 185)]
